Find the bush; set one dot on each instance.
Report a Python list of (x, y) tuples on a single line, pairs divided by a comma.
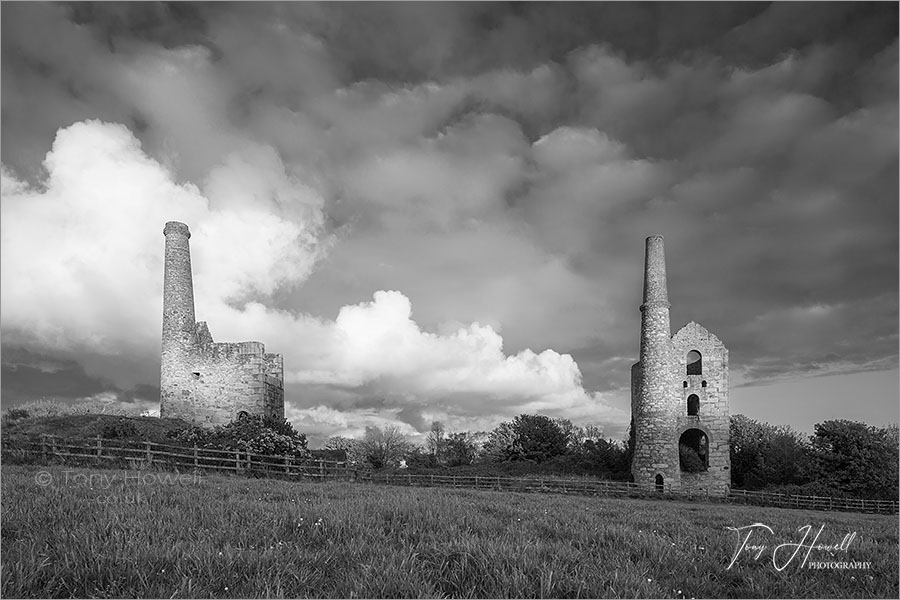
[(123, 428), (689, 459), (249, 433), (14, 414)]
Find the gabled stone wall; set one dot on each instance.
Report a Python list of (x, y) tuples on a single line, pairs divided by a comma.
[(711, 386)]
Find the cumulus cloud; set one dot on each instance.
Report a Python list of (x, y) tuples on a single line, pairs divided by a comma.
[(84, 249), (499, 168), (94, 280)]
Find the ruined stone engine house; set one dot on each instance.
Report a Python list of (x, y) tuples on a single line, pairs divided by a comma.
[(201, 381), (679, 395)]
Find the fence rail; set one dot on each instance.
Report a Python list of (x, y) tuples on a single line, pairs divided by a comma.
[(621, 488), (151, 454)]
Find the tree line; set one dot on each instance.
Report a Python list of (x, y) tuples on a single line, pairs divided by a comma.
[(842, 458)]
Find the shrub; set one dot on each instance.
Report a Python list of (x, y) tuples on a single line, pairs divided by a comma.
[(249, 433), (15, 414), (123, 428), (690, 460)]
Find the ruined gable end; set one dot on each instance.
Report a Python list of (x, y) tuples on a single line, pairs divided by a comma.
[(202, 381)]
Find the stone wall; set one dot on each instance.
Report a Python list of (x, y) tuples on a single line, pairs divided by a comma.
[(202, 381), (711, 386), (660, 387)]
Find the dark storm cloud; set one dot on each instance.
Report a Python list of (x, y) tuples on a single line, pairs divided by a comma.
[(501, 163), (31, 376)]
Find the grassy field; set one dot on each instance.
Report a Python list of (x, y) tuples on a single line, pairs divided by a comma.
[(77, 532)]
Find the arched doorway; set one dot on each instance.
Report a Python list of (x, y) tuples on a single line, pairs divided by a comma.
[(693, 451), (659, 483), (693, 404)]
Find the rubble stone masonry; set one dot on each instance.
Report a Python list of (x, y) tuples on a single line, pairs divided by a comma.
[(202, 381), (661, 386)]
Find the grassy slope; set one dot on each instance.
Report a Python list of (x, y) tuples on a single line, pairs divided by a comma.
[(232, 537), (151, 429)]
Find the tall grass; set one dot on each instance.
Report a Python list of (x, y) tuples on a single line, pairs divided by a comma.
[(214, 536)]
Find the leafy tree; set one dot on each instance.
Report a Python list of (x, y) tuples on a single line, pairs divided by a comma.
[(417, 456), (460, 449), (856, 458), (540, 437), (527, 437), (629, 446), (573, 433), (436, 442), (607, 457), (502, 444), (384, 447), (350, 446), (766, 455)]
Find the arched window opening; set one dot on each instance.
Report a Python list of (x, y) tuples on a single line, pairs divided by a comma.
[(703, 383), (694, 363), (659, 483), (693, 451), (693, 404), (685, 384)]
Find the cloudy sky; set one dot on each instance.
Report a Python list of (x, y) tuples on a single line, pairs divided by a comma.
[(437, 211)]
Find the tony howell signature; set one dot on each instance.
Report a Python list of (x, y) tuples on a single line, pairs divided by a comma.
[(751, 540)]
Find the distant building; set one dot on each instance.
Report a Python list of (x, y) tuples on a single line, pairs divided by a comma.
[(679, 396), (201, 381)]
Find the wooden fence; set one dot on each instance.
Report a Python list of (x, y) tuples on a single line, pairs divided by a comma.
[(151, 455), (140, 455), (621, 488), (888, 507)]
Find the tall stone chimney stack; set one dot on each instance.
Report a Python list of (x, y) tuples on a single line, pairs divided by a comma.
[(654, 402), (179, 327), (655, 329)]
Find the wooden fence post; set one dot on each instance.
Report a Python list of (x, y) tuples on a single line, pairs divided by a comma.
[(196, 463), (322, 469), (44, 445), (149, 453), (99, 445)]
